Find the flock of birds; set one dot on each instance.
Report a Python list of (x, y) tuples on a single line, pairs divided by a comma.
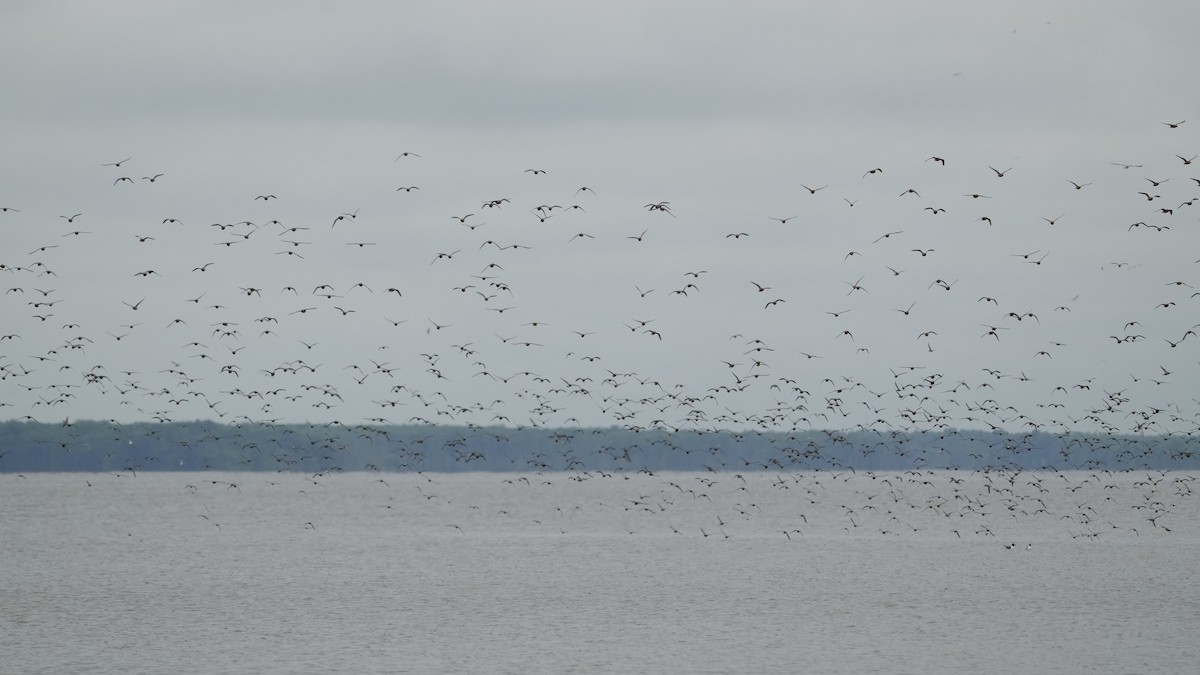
[(934, 309), (1001, 507)]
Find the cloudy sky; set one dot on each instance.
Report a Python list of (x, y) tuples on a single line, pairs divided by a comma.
[(789, 145)]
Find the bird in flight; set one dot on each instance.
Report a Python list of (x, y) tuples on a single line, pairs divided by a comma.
[(659, 206), (853, 287)]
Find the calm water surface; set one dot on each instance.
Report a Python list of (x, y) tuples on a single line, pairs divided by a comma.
[(559, 573)]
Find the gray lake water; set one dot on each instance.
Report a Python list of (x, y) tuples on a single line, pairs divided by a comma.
[(574, 573)]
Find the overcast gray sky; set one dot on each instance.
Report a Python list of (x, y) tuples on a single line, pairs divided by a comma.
[(729, 115)]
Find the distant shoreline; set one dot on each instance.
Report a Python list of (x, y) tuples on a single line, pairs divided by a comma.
[(104, 447)]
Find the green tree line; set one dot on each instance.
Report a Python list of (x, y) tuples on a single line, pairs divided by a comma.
[(97, 446)]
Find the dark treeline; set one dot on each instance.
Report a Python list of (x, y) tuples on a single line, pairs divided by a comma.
[(91, 446)]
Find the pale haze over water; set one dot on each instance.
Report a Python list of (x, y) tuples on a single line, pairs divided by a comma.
[(487, 573)]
